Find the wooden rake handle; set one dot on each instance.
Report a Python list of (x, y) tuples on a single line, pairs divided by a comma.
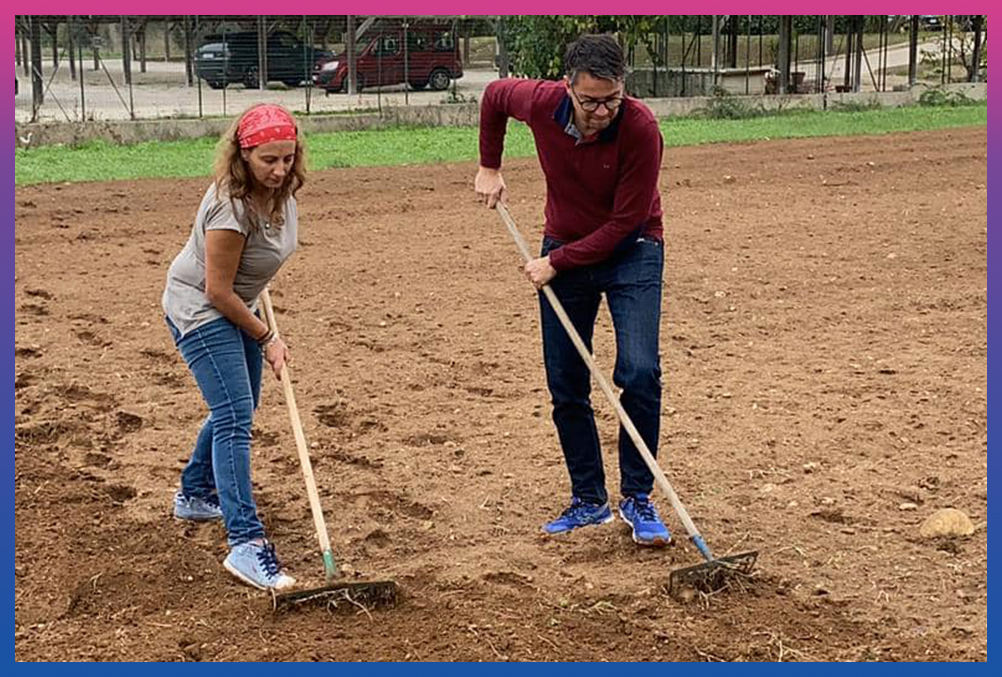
[(304, 454), (624, 418)]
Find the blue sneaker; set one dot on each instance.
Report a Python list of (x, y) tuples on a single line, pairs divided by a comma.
[(255, 563), (579, 514), (196, 509), (640, 513)]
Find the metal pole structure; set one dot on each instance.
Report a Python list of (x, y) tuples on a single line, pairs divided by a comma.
[(407, 71), (17, 42), (379, 78), (796, 55), (37, 86), (979, 22), (226, 68), (732, 50), (126, 51), (307, 61), (748, 58), (849, 39), (699, 41), (685, 56), (83, 98), (655, 58), (829, 34), (858, 66), (127, 63), (783, 84), (350, 46), (53, 31), (664, 54), (887, 39), (189, 70), (25, 47), (761, 29), (198, 80), (166, 41), (913, 50), (71, 48), (949, 50), (262, 53), (942, 77), (823, 58), (715, 48), (502, 48), (142, 47)]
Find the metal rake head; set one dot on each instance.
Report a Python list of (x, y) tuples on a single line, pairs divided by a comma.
[(361, 594), (713, 575)]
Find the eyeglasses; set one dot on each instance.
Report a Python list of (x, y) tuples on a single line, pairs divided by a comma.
[(591, 105)]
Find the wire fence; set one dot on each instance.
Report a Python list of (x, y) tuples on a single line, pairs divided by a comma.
[(193, 66)]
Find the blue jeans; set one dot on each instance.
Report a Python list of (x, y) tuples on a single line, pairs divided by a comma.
[(226, 363), (631, 282)]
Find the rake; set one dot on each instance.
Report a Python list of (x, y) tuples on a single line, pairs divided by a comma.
[(715, 573), (359, 593)]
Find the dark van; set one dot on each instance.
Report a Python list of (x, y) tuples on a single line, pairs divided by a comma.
[(229, 58), (431, 60)]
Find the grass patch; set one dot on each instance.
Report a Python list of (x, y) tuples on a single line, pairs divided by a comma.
[(101, 161)]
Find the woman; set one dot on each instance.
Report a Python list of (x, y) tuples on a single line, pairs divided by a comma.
[(244, 231)]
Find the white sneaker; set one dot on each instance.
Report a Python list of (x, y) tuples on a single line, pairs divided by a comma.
[(255, 563)]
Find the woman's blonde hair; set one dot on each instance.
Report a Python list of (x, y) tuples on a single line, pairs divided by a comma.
[(235, 179)]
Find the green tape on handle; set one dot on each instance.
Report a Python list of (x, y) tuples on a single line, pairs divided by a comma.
[(330, 569)]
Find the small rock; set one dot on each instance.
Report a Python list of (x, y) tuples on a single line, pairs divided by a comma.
[(892, 255), (810, 156), (908, 506), (946, 522), (767, 488), (810, 467), (912, 494), (729, 179), (827, 500)]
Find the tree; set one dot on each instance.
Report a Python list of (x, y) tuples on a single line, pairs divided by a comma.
[(537, 43)]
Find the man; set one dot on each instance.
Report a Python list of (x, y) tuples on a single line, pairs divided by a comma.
[(601, 153)]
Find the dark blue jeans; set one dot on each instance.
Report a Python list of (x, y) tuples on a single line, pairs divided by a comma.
[(631, 283), (226, 364)]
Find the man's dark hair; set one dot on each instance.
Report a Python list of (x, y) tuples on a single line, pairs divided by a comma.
[(598, 55)]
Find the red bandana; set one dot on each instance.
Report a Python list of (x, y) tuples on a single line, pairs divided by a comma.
[(265, 123)]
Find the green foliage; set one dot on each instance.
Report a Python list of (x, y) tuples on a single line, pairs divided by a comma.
[(939, 97), (723, 106), (537, 43), (855, 106)]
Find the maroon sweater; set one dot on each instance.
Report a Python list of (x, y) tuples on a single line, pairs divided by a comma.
[(599, 192)]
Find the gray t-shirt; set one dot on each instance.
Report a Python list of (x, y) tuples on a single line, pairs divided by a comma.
[(265, 250)]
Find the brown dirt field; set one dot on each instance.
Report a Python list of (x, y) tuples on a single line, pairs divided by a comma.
[(825, 357)]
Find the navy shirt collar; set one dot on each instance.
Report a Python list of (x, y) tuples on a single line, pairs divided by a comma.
[(564, 116)]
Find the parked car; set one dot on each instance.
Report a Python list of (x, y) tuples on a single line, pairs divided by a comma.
[(229, 58), (930, 22), (432, 59)]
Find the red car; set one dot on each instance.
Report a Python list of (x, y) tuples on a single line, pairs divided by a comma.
[(431, 59)]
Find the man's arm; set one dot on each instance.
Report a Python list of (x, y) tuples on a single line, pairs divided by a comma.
[(502, 99)]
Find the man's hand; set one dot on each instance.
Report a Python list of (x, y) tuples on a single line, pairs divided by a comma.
[(490, 186), (540, 272)]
